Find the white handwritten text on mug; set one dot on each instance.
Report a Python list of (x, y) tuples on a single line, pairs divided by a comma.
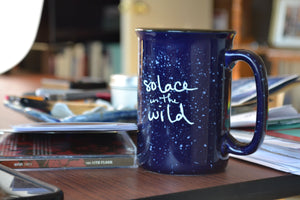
[(178, 86)]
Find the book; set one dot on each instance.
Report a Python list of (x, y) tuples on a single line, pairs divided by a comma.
[(65, 150), (290, 134), (95, 56), (244, 90)]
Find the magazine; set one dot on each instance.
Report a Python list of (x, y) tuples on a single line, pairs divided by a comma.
[(244, 90), (110, 149)]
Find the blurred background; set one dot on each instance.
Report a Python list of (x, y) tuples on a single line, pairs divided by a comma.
[(96, 38), (99, 34)]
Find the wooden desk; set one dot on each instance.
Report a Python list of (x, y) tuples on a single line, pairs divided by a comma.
[(138, 183)]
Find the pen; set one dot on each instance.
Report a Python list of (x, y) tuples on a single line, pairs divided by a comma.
[(87, 85), (67, 95), (80, 95), (39, 103), (31, 101), (31, 113), (66, 84)]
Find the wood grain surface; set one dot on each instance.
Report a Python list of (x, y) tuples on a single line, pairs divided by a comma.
[(120, 183)]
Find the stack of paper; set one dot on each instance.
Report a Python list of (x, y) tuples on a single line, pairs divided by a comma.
[(281, 147), (277, 153), (280, 117)]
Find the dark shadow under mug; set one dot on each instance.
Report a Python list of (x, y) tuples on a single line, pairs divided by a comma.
[(184, 91)]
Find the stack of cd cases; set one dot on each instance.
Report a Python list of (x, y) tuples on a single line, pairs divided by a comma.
[(68, 145)]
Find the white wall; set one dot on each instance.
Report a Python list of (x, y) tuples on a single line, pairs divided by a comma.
[(193, 14)]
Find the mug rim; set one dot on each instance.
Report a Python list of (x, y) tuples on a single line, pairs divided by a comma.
[(183, 30)]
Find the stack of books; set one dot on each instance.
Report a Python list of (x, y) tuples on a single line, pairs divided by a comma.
[(281, 147)]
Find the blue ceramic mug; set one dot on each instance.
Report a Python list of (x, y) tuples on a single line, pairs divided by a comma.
[(184, 100)]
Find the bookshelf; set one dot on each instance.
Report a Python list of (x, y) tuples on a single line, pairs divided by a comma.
[(64, 24), (251, 20), (251, 33), (79, 21)]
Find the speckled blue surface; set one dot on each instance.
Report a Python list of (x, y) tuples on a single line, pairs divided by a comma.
[(183, 100)]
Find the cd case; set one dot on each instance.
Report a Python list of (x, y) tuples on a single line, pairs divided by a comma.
[(74, 127), (39, 150)]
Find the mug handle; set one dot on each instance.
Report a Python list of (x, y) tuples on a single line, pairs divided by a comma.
[(230, 144)]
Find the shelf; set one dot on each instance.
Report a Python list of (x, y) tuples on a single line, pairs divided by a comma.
[(87, 35)]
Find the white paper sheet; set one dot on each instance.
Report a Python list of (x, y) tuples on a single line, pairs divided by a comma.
[(277, 115), (276, 153)]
